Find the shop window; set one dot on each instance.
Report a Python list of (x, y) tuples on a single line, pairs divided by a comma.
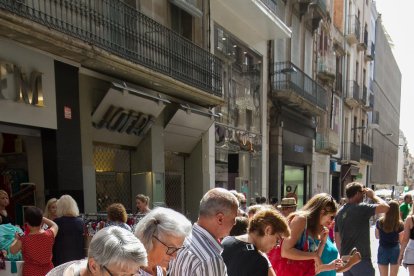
[(113, 176)]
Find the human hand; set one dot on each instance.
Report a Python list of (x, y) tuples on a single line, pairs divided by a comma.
[(16, 235), (369, 193), (324, 234), (335, 264), (400, 258)]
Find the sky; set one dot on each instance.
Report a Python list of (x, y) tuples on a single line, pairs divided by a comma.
[(397, 16)]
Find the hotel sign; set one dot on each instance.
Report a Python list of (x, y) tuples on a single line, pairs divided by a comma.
[(126, 121), (19, 85)]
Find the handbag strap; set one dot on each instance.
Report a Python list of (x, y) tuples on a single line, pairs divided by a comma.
[(306, 243)]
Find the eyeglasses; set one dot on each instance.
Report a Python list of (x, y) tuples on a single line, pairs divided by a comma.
[(170, 249), (112, 274)]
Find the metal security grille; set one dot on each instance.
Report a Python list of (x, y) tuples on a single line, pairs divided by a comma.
[(174, 181), (113, 176)]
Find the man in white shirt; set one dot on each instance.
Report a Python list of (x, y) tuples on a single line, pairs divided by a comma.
[(201, 254)]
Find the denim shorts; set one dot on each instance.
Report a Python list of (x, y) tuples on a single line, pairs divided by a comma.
[(388, 255)]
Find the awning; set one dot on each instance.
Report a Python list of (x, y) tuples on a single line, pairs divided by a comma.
[(125, 115), (186, 128)]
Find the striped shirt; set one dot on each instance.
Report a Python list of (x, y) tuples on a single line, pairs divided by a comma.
[(200, 256)]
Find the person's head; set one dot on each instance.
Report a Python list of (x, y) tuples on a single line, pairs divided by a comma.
[(117, 213), (240, 227), (408, 199), (142, 203), (162, 231), (33, 216), (355, 192), (263, 200), (266, 228), (115, 251), (217, 213), (254, 209), (320, 211), (66, 206), (51, 208), (4, 199), (287, 206), (391, 221)]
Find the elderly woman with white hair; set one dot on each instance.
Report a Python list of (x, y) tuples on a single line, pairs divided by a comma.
[(69, 242), (112, 251), (162, 231)]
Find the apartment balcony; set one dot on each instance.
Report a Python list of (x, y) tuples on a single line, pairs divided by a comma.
[(293, 87), (352, 94), (363, 97), (353, 30), (114, 38), (352, 152), (367, 153), (370, 52), (375, 118), (363, 45), (365, 100), (326, 67), (327, 141), (257, 18), (371, 101), (317, 9)]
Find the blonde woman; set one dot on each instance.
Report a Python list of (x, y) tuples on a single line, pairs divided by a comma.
[(4, 202), (308, 231), (69, 242), (51, 209), (142, 204), (388, 231)]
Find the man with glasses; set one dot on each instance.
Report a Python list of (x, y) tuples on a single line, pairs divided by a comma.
[(201, 255), (352, 226)]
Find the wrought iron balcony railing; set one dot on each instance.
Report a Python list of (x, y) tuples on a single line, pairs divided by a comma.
[(353, 91), (367, 153), (352, 151), (287, 76), (123, 31)]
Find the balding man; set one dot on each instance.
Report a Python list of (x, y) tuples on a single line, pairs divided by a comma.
[(201, 254)]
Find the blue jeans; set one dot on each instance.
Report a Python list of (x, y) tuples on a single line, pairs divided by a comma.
[(364, 268), (388, 255)]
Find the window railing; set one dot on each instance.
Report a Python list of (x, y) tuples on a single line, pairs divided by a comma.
[(353, 90), (367, 153), (287, 76), (123, 31)]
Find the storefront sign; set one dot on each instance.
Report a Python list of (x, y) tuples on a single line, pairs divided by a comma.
[(125, 121), (19, 85)]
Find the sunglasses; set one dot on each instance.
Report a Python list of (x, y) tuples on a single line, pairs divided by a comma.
[(170, 249)]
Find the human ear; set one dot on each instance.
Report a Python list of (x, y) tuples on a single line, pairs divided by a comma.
[(220, 218)]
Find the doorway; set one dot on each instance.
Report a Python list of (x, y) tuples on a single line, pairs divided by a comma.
[(294, 183)]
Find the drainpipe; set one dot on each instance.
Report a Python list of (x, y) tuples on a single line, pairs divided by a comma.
[(345, 74)]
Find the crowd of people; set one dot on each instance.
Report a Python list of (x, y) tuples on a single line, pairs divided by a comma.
[(228, 238)]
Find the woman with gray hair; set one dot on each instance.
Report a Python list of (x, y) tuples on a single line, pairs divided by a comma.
[(162, 231), (69, 242), (113, 251)]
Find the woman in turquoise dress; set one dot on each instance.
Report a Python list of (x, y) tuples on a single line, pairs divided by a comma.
[(329, 255)]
